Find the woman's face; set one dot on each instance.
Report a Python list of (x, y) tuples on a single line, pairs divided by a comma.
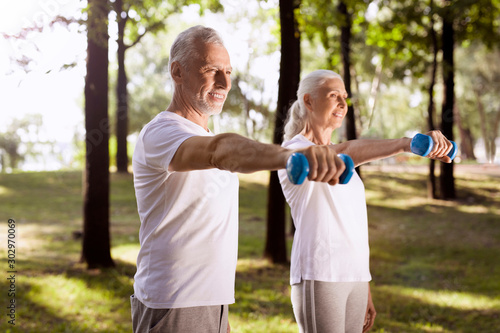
[(328, 106)]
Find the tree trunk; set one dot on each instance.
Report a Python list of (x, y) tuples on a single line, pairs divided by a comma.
[(431, 184), (122, 95), (96, 237), (466, 140), (345, 49), (447, 180), (495, 127), (275, 249)]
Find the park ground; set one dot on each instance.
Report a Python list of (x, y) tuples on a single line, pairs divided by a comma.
[(434, 263)]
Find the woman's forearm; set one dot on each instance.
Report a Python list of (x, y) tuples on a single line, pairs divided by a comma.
[(367, 150)]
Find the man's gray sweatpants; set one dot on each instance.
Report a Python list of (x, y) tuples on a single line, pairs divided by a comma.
[(200, 319)]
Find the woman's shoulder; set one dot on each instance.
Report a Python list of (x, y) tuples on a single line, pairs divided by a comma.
[(298, 141)]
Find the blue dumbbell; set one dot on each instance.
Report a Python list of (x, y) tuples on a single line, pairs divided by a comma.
[(297, 168), (422, 144)]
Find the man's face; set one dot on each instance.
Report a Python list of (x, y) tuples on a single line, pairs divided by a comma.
[(208, 78)]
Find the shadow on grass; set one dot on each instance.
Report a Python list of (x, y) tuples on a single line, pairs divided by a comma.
[(410, 247), (73, 300), (34, 317), (403, 313)]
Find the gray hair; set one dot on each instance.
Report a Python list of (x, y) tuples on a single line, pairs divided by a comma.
[(297, 114), (184, 46)]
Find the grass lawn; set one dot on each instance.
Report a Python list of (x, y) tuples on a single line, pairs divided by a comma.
[(435, 264)]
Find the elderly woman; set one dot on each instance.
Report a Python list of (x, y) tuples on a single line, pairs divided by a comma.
[(330, 255)]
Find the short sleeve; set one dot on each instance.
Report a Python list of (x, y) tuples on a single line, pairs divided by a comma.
[(162, 139)]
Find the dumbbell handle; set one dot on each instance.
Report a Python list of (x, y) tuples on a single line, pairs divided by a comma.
[(422, 144), (297, 168)]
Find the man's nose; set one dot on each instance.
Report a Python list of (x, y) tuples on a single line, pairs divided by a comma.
[(223, 80)]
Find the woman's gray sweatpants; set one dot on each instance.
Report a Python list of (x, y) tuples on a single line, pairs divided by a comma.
[(330, 307)]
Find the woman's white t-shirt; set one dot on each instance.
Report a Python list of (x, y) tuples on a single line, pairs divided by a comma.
[(331, 238), (189, 222)]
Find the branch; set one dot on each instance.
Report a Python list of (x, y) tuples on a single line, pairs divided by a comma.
[(23, 34), (66, 21), (152, 27), (137, 40)]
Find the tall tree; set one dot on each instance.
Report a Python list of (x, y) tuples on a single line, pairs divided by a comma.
[(345, 49), (478, 76), (447, 180), (431, 183), (124, 18), (96, 236), (135, 19), (462, 22), (275, 249)]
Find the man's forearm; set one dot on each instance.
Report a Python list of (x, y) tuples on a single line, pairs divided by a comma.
[(367, 150), (236, 153)]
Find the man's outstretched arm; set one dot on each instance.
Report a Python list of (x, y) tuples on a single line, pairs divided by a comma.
[(236, 153)]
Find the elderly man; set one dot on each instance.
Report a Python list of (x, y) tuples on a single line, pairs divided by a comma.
[(187, 194)]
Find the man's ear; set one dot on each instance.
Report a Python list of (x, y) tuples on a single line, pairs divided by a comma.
[(308, 101), (176, 72)]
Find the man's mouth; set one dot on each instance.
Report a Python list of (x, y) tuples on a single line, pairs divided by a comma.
[(217, 95)]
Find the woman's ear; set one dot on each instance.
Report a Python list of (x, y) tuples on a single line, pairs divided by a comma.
[(176, 72), (308, 102)]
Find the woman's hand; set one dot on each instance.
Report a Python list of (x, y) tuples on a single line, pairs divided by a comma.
[(371, 313), (442, 146)]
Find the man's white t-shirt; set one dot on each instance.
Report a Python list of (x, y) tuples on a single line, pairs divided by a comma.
[(331, 237), (189, 222)]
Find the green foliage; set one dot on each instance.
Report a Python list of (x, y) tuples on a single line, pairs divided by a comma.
[(149, 84), (321, 19), (477, 85), (248, 102), (20, 139), (150, 15)]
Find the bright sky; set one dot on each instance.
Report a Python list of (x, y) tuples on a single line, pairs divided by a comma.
[(56, 95)]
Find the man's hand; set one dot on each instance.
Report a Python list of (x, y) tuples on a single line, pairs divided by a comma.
[(442, 146), (371, 313), (324, 164)]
